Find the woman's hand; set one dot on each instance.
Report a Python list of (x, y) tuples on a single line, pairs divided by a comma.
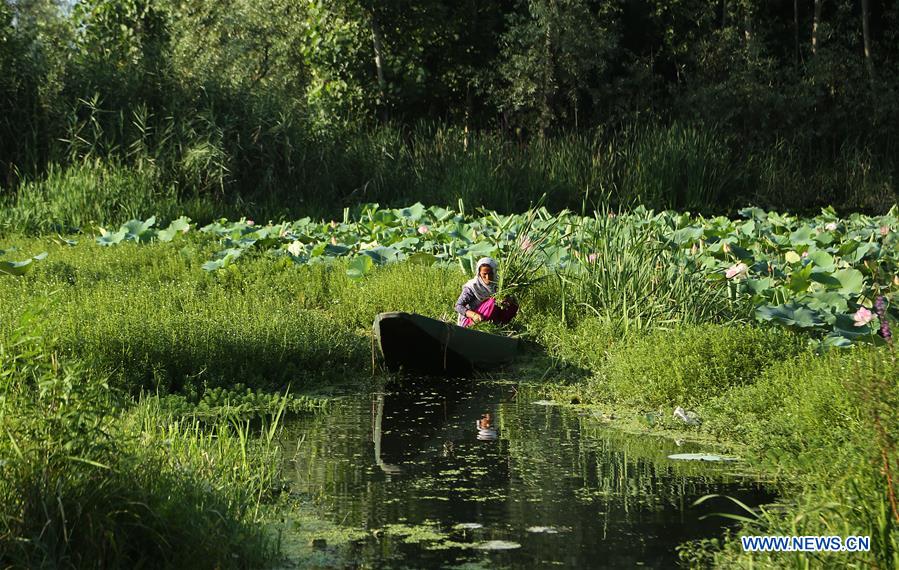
[(474, 316)]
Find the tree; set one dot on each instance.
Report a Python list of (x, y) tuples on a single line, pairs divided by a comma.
[(552, 57)]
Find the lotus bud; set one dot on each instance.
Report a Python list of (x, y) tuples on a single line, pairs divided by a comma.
[(896, 280), (333, 240), (726, 248)]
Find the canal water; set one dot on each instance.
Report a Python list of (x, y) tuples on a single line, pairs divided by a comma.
[(475, 474)]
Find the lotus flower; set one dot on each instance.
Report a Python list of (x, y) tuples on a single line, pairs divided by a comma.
[(830, 226), (423, 229), (804, 254), (884, 230), (251, 223), (591, 258), (738, 270), (862, 316), (295, 248), (527, 244)]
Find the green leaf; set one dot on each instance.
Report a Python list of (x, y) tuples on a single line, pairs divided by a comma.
[(852, 282), (382, 255), (803, 236), (827, 301), (360, 266), (413, 213), (19, 268), (181, 225), (422, 258), (822, 260), (791, 315), (112, 238)]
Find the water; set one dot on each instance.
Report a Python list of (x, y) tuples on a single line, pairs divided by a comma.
[(472, 474)]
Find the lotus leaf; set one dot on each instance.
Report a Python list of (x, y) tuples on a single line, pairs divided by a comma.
[(19, 268), (360, 266)]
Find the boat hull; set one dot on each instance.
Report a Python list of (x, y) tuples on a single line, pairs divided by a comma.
[(417, 343)]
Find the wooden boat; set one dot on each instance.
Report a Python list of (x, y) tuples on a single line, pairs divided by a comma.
[(422, 344)]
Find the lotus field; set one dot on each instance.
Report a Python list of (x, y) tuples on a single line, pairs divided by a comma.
[(835, 278)]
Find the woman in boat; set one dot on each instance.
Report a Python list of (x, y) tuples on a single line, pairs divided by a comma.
[(477, 302)]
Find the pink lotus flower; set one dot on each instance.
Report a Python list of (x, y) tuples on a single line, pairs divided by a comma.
[(738, 270), (527, 244), (423, 229), (804, 254), (862, 316), (591, 258), (830, 226), (884, 230), (251, 223)]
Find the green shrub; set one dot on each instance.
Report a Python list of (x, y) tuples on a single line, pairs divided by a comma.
[(687, 366), (81, 486)]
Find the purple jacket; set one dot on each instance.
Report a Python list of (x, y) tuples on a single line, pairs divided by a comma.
[(468, 300)]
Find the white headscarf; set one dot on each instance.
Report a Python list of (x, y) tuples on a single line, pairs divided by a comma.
[(481, 290)]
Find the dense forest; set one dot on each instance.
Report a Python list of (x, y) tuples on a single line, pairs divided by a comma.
[(321, 104)]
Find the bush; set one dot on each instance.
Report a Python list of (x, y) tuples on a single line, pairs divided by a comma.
[(80, 486), (688, 366)]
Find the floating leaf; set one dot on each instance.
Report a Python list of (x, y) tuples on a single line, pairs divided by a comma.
[(701, 457), (497, 545)]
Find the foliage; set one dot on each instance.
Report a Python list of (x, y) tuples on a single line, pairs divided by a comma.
[(639, 268), (81, 485), (688, 366)]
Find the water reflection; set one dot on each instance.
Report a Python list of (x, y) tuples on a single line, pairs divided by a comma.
[(474, 466), (486, 431)]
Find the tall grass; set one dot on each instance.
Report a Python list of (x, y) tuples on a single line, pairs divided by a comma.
[(812, 421), (84, 483), (215, 164), (151, 319), (629, 279)]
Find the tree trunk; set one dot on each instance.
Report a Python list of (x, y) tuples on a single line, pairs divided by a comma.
[(815, 22), (866, 36), (796, 29), (747, 23), (379, 63), (548, 71)]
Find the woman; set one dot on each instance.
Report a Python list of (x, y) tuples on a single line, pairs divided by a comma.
[(477, 302)]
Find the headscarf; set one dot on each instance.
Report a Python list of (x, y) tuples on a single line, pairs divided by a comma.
[(483, 292)]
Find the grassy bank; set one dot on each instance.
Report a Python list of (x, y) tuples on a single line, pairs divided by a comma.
[(118, 322)]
